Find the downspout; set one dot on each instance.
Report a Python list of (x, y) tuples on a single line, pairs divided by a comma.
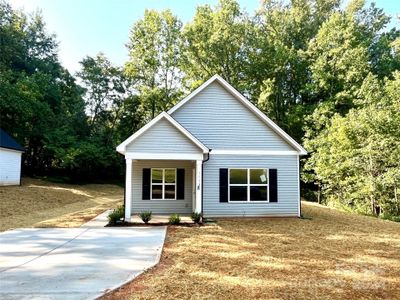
[(202, 173)]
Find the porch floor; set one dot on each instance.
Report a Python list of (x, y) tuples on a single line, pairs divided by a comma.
[(161, 219)]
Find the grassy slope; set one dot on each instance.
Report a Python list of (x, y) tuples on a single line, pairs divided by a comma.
[(333, 255), (54, 205)]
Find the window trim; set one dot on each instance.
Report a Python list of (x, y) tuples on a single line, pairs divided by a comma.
[(162, 184), (248, 185)]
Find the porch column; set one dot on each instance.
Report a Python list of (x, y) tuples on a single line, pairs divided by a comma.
[(128, 190), (199, 172)]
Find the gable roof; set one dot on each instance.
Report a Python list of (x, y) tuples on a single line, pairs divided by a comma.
[(122, 147), (246, 103), (8, 142)]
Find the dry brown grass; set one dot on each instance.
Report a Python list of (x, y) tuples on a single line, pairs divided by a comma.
[(44, 204), (332, 255)]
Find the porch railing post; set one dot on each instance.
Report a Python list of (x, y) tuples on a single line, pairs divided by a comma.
[(128, 190), (199, 172)]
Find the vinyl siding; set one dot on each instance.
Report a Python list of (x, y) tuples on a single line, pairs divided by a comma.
[(161, 206), (220, 121), (163, 137), (10, 167), (288, 179)]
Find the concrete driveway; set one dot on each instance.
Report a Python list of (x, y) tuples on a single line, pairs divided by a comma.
[(75, 263)]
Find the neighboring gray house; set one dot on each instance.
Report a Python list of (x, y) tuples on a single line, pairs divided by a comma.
[(215, 153)]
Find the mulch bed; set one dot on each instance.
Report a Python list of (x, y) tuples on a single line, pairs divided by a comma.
[(137, 224)]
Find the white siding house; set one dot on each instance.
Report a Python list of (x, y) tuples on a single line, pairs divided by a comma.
[(215, 153), (10, 160)]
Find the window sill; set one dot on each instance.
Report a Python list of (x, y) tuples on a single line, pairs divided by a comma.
[(241, 202), (163, 200)]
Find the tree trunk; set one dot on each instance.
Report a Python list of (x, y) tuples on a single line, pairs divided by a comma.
[(373, 206)]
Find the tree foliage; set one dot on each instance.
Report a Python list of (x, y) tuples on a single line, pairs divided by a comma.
[(357, 157), (215, 43), (38, 98), (155, 46)]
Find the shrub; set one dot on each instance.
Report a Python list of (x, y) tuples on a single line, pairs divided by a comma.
[(196, 217), (145, 216), (174, 219), (386, 216), (116, 215)]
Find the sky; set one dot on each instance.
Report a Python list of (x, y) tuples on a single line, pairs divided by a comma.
[(86, 27)]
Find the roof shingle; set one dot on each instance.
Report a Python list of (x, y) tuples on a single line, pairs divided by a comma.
[(7, 141)]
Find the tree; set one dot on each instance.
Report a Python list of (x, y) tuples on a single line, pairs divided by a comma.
[(154, 53), (358, 158), (339, 60), (215, 42), (339, 64), (344, 72), (383, 57), (113, 114), (37, 96), (280, 68)]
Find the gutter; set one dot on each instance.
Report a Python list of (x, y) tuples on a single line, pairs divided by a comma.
[(15, 149)]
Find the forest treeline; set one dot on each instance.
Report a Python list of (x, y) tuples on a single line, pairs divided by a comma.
[(328, 74)]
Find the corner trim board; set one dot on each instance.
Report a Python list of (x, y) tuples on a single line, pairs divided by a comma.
[(298, 186)]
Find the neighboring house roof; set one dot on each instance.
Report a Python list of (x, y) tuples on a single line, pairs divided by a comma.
[(8, 142), (246, 103), (122, 147)]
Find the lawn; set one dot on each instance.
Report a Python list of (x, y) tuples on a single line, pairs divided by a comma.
[(40, 203), (329, 255)]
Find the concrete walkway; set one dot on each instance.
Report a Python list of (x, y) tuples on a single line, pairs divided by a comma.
[(98, 222), (74, 263)]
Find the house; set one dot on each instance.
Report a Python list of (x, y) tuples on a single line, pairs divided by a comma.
[(214, 153), (10, 160)]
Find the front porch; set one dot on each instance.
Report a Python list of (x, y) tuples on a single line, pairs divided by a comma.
[(164, 187), (164, 167)]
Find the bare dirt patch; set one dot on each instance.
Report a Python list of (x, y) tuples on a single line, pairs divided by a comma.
[(329, 255), (40, 203)]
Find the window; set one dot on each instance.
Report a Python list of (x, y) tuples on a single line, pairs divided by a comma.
[(248, 185), (163, 184)]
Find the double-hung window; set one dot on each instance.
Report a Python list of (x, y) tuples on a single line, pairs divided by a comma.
[(248, 185), (163, 184)]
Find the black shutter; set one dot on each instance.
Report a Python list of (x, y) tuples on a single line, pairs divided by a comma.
[(273, 185), (223, 185), (180, 184), (146, 184)]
